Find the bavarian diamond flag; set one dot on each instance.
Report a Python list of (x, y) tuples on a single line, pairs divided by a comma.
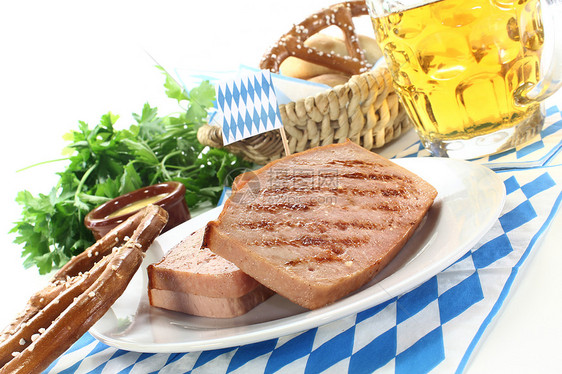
[(248, 105)]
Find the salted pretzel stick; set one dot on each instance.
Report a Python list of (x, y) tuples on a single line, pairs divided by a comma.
[(86, 299), (23, 337), (116, 237), (78, 264), (292, 43)]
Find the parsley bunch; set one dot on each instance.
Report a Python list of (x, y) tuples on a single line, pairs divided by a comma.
[(105, 162)]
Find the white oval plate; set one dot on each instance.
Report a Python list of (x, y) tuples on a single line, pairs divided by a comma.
[(469, 202)]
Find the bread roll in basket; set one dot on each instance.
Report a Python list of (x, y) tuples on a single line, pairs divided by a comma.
[(365, 109)]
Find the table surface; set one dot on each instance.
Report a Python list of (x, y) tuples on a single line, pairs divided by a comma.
[(63, 62)]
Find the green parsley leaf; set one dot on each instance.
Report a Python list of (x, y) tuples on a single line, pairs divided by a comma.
[(105, 162)]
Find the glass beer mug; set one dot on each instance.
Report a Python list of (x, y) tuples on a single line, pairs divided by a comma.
[(471, 73)]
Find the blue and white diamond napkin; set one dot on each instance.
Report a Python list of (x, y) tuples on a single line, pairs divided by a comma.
[(248, 104)]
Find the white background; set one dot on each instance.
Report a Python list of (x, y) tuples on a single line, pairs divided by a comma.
[(61, 62)]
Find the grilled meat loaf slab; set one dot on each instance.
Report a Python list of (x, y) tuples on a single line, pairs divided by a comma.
[(319, 224)]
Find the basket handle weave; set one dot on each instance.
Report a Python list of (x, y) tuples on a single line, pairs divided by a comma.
[(365, 110)]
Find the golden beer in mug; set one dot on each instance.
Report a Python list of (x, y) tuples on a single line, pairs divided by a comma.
[(464, 70)]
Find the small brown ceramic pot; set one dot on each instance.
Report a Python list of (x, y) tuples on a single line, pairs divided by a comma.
[(169, 195)]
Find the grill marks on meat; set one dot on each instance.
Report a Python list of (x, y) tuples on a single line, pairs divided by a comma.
[(332, 182), (296, 176), (326, 256), (275, 207), (334, 244), (320, 226), (320, 223), (355, 163), (374, 192)]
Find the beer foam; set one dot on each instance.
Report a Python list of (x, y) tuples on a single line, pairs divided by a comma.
[(381, 8)]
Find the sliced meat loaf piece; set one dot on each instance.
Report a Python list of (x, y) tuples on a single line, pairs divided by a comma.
[(213, 307), (194, 280), (319, 224)]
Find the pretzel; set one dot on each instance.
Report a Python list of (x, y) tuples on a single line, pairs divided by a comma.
[(79, 294), (292, 43)]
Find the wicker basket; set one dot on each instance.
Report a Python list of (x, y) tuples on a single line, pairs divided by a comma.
[(365, 110)]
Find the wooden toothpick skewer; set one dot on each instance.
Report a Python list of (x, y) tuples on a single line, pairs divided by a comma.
[(285, 142)]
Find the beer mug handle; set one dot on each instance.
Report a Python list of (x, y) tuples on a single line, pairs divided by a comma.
[(551, 79)]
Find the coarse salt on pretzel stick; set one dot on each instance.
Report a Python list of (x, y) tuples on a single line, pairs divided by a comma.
[(116, 237), (292, 43), (77, 265), (84, 310), (23, 337), (79, 316)]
